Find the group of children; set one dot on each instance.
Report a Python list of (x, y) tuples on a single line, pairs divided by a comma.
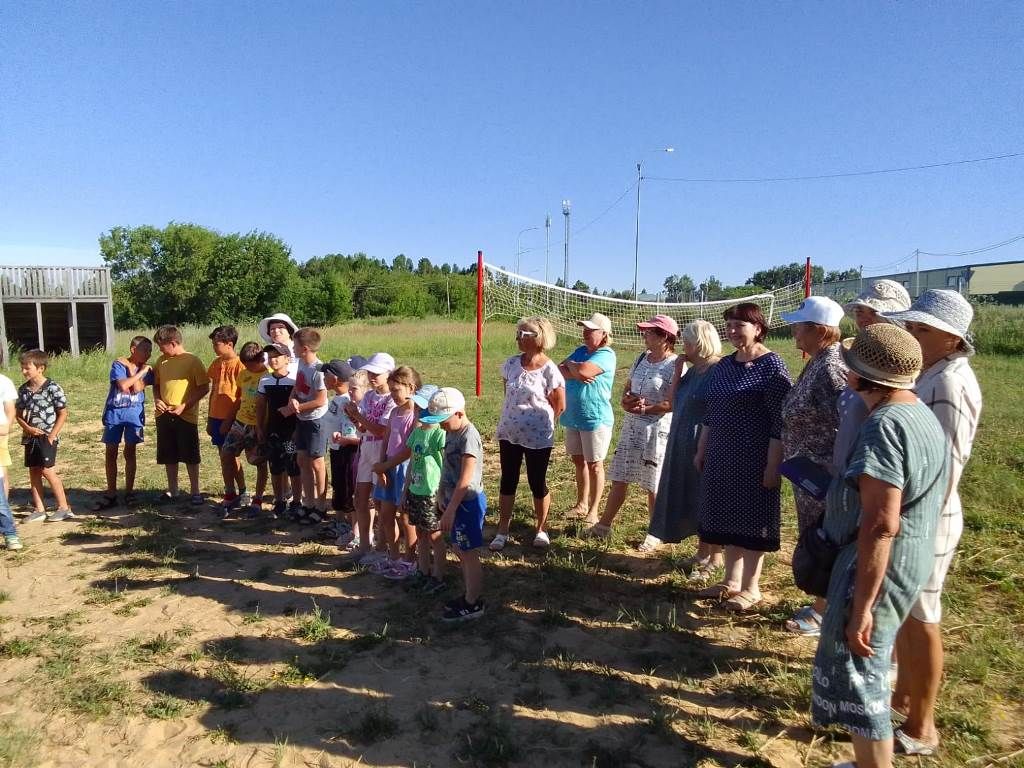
[(405, 462)]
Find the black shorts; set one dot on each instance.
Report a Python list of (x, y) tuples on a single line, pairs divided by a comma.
[(177, 440), (40, 452), (281, 456)]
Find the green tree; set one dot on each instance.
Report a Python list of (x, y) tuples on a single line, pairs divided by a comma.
[(783, 275), (844, 274), (678, 287)]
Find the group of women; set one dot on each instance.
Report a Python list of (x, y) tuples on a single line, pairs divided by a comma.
[(890, 416)]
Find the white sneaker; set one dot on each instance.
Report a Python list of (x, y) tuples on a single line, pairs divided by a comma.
[(35, 517), (58, 515), (542, 540), (245, 499), (498, 543)]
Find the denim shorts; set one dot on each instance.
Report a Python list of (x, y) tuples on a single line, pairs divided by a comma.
[(311, 438)]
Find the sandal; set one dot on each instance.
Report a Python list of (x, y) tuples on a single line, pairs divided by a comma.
[(650, 544), (106, 501), (908, 745), (805, 622), (597, 531), (498, 542), (717, 592), (741, 602), (577, 512)]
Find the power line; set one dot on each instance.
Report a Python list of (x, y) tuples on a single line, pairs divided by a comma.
[(845, 174), (973, 251), (580, 230)]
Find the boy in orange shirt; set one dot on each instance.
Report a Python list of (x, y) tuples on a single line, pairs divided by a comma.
[(224, 396)]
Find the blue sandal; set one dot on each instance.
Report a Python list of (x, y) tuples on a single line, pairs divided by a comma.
[(805, 622)]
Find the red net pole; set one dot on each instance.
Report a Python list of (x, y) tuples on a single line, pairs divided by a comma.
[(479, 321), (807, 278)]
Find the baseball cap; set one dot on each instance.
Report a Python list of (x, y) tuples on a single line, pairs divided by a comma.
[(443, 404), (596, 322), (423, 395), (379, 362), (276, 350), (357, 362), (820, 310), (662, 323), (339, 368)]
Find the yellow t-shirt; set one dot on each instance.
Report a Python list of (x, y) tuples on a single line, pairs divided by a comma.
[(248, 383), (176, 377), (224, 386)]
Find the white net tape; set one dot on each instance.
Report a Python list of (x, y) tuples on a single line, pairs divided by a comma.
[(513, 296)]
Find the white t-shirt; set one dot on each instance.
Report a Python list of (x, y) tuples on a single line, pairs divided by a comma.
[(8, 394), (309, 382), (527, 418)]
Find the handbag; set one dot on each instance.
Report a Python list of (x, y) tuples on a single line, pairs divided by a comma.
[(815, 553)]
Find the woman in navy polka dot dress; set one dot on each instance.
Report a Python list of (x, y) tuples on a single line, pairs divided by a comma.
[(739, 453)]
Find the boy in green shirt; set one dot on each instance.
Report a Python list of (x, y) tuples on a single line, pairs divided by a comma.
[(419, 497)]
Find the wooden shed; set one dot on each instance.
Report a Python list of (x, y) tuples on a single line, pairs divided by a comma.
[(57, 309)]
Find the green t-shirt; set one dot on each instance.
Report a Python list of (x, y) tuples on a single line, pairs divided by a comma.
[(427, 446)]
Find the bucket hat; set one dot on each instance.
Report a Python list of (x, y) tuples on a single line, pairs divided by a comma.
[(279, 317), (881, 296), (885, 354), (820, 310), (943, 309), (663, 323)]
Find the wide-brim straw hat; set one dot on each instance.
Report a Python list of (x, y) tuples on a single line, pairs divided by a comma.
[(277, 317), (881, 296), (943, 309), (885, 354)]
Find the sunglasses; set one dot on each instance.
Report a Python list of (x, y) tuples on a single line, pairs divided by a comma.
[(525, 334)]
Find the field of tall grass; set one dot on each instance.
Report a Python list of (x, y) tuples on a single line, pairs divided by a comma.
[(980, 709)]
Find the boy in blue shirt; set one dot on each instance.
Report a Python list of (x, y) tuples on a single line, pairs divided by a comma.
[(124, 416)]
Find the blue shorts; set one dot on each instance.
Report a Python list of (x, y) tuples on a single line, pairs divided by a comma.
[(396, 481), (130, 433), (468, 526), (213, 430)]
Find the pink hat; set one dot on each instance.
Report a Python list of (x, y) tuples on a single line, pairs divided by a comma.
[(662, 323)]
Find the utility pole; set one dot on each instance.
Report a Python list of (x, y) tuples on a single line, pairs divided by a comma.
[(917, 269), (566, 210), (547, 244), (860, 272)]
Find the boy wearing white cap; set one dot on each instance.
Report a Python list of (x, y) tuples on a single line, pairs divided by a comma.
[(460, 497)]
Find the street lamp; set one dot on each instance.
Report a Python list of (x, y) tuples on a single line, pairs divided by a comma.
[(566, 210), (636, 242), (547, 244), (519, 251)]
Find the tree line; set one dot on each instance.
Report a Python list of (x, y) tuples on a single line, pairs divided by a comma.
[(186, 273)]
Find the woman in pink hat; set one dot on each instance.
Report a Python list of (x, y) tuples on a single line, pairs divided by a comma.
[(641, 447)]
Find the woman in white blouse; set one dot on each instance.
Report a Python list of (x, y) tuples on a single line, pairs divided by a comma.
[(534, 399), (641, 447)]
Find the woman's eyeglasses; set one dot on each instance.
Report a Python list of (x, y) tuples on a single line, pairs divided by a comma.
[(525, 334)]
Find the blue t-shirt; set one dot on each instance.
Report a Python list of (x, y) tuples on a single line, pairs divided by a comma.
[(589, 406), (124, 407)]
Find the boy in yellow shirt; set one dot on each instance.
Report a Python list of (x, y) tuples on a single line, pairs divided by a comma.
[(241, 435), (179, 384)]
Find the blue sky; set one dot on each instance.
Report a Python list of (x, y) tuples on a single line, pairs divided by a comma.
[(436, 129)]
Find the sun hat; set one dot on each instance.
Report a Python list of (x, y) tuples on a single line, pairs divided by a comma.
[(596, 322), (885, 354), (943, 309), (379, 362), (338, 368), (820, 310), (881, 296), (277, 350), (444, 404), (662, 323), (277, 317), (422, 395)]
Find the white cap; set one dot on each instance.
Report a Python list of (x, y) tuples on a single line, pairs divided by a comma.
[(379, 362), (597, 322), (444, 403), (820, 310)]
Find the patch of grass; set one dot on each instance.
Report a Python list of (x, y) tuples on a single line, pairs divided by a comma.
[(660, 721), (237, 686), (488, 743), (96, 694), (4, 596), (254, 617), (369, 640), (104, 595), (662, 619), (223, 734), (18, 647), (18, 746), (144, 650), (294, 673), (375, 723), (427, 718), (164, 707), (131, 607), (314, 627)]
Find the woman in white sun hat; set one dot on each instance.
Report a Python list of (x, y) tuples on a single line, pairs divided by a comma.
[(809, 415), (939, 320), (278, 329), (879, 297)]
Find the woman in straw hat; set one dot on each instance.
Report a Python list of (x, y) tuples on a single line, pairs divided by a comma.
[(882, 514), (939, 320), (810, 418)]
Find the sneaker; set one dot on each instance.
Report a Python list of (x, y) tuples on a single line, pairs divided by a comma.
[(384, 564), (35, 517), (499, 542), (294, 509), (460, 610), (230, 501), (433, 586), (542, 540), (196, 500), (59, 515), (280, 509), (346, 539), (400, 571), (370, 558), (13, 543), (415, 581), (244, 499), (254, 508)]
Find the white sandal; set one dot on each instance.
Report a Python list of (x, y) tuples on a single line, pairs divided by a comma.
[(498, 542), (650, 544), (541, 540)]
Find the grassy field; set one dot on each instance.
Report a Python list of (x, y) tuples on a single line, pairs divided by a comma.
[(162, 637)]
